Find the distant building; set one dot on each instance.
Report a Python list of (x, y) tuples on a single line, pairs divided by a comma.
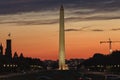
[(1, 49), (8, 51), (17, 63)]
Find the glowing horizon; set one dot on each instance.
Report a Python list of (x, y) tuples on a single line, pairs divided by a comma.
[(35, 30)]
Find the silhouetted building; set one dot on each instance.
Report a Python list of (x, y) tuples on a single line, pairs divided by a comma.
[(17, 63), (8, 51), (1, 49)]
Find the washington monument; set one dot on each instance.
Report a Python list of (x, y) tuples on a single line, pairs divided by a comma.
[(62, 65)]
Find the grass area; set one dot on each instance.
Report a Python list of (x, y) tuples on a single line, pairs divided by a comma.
[(52, 75), (96, 76), (46, 75)]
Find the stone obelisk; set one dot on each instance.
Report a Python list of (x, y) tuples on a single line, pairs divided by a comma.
[(61, 40)]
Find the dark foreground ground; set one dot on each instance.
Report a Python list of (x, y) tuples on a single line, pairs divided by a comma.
[(54, 75)]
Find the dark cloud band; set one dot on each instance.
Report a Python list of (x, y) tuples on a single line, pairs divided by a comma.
[(79, 10), (16, 6)]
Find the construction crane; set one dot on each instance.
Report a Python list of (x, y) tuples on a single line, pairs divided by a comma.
[(110, 44)]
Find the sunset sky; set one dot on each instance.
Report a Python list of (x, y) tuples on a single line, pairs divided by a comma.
[(34, 27)]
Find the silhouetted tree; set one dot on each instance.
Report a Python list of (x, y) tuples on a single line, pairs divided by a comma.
[(103, 60)]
